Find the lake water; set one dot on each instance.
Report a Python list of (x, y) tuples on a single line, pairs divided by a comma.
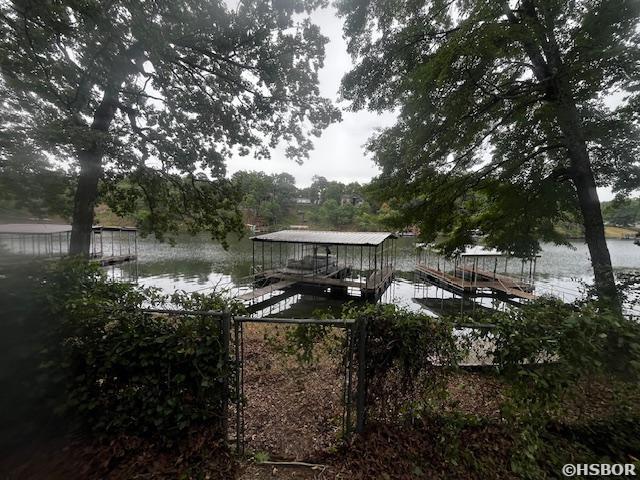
[(197, 264)]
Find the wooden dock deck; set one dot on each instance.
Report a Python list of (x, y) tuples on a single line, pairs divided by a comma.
[(375, 282), (261, 292), (114, 259), (484, 283), (282, 280), (504, 283)]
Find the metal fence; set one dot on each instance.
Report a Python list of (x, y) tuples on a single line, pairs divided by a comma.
[(231, 327)]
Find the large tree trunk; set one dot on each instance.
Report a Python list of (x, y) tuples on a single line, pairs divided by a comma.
[(90, 172), (84, 202), (548, 67), (585, 185)]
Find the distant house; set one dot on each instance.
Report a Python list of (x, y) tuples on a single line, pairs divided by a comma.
[(303, 201), (351, 199), (412, 231)]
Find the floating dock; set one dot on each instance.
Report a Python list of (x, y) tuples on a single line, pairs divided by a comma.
[(469, 274)]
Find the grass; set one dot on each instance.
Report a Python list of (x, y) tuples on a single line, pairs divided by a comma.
[(261, 457), (572, 230), (619, 232), (105, 216)]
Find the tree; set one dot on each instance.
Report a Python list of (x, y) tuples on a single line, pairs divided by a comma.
[(29, 181), (505, 116), (159, 93), (622, 211), (333, 191), (317, 188), (284, 189), (267, 196), (336, 215)]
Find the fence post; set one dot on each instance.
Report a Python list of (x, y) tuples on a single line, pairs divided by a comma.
[(225, 321), (238, 381), (348, 391), (362, 376)]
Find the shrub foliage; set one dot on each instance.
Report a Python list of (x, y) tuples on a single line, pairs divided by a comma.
[(408, 357), (542, 354), (113, 368)]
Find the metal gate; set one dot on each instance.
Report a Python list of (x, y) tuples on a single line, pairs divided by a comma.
[(233, 353), (354, 354)]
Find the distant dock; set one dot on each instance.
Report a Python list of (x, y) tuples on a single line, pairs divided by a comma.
[(110, 245)]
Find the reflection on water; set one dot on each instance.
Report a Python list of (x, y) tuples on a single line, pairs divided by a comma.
[(197, 264)]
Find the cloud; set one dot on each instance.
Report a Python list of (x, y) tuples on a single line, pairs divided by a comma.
[(338, 153)]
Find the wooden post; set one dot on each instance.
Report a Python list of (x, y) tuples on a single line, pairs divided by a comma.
[(360, 272), (362, 377), (375, 267)]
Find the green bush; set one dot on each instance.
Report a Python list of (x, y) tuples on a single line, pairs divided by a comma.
[(145, 374), (408, 358), (544, 354), (26, 401), (115, 368), (547, 346), (543, 351)]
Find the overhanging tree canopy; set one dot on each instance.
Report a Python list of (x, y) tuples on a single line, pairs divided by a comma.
[(506, 122), (150, 97)]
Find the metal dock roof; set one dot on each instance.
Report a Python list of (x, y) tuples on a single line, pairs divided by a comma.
[(480, 251), (322, 237), (34, 228), (49, 228)]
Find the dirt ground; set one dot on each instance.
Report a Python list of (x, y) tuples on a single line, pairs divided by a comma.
[(293, 414)]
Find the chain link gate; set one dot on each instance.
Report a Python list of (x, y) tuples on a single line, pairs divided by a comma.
[(355, 339)]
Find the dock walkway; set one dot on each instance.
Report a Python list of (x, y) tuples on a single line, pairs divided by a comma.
[(114, 260), (483, 282), (504, 283), (260, 292)]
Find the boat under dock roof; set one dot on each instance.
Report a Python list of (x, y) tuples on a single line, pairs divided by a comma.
[(322, 237)]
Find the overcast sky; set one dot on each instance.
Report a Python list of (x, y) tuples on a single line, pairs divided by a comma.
[(338, 153)]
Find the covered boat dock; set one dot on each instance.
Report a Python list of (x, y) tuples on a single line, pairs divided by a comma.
[(110, 245), (348, 264)]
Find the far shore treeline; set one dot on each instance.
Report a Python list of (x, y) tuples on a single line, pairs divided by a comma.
[(266, 201), (271, 201)]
